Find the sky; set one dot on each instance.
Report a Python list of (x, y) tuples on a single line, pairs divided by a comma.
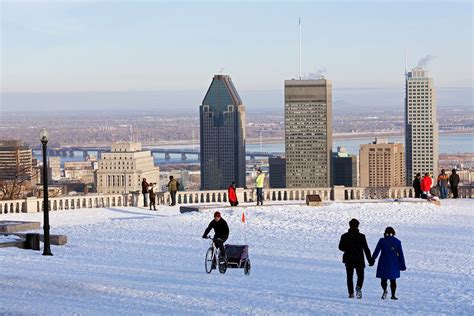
[(130, 46)]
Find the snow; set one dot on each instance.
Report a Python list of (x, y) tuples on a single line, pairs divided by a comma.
[(128, 261)]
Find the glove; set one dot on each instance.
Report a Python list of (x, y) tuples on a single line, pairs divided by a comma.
[(403, 269)]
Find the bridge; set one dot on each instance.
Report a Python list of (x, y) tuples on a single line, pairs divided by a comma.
[(71, 152)]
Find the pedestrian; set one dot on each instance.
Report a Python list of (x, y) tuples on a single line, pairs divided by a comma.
[(454, 182), (354, 245), (417, 185), (259, 185), (425, 186), (391, 261), (232, 195), (443, 184), (152, 193), (173, 186), (145, 192)]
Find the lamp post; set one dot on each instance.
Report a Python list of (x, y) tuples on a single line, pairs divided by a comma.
[(47, 244)]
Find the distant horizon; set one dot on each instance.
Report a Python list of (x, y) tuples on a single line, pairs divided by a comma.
[(345, 100)]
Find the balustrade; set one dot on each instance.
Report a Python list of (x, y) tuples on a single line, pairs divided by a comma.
[(33, 204)]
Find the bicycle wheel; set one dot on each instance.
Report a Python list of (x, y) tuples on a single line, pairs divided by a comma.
[(209, 261)]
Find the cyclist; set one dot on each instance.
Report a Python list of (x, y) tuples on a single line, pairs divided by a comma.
[(221, 233)]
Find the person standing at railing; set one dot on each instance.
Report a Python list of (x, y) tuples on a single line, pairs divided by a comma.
[(417, 185), (232, 195), (173, 186), (145, 192), (443, 184), (454, 182), (152, 193), (426, 184), (259, 185)]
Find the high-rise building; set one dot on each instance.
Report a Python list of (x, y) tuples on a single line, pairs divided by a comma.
[(121, 170), (308, 133), (421, 125), (15, 169), (277, 170), (15, 161), (382, 164), (345, 168), (222, 132)]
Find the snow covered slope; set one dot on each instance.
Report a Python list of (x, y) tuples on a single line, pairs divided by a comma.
[(129, 261)]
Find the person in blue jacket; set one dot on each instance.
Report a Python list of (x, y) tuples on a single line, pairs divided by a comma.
[(391, 261)]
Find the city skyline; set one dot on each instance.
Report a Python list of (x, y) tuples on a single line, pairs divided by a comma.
[(80, 47)]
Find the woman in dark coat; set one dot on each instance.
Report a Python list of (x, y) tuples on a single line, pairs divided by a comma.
[(391, 261)]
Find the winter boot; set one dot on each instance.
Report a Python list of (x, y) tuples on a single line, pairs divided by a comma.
[(358, 292), (351, 295), (384, 295)]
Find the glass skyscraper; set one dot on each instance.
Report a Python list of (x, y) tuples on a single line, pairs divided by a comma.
[(222, 136)]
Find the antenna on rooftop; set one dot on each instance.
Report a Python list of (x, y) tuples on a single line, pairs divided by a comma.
[(405, 60), (299, 25)]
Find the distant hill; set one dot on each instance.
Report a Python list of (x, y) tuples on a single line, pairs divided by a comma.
[(187, 102)]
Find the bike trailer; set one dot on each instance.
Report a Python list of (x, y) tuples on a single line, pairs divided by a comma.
[(237, 252)]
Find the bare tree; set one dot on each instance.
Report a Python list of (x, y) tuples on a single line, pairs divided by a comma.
[(14, 187)]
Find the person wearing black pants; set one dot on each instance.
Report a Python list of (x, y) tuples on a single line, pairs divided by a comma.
[(393, 288), (354, 245), (417, 185)]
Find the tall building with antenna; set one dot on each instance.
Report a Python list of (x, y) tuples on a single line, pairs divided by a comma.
[(222, 136), (308, 133), (421, 125), (308, 130)]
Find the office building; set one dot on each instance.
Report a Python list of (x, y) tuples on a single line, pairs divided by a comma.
[(15, 161), (308, 133), (382, 164), (421, 125), (222, 132), (345, 168), (122, 169), (277, 170)]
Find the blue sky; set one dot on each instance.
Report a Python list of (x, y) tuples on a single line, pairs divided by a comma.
[(65, 46)]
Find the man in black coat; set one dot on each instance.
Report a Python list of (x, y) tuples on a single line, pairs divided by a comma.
[(417, 185), (145, 186), (454, 182), (221, 233), (354, 246)]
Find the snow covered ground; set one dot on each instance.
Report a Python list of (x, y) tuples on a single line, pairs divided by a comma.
[(131, 261)]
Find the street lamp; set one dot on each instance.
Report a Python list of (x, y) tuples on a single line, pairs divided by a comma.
[(47, 244)]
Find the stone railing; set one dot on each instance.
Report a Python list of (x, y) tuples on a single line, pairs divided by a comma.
[(33, 204), (337, 193)]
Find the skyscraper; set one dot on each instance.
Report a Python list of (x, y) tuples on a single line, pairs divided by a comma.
[(308, 133), (421, 125), (222, 136), (382, 164), (345, 168)]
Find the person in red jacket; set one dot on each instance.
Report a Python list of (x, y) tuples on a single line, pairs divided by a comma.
[(426, 184), (232, 195)]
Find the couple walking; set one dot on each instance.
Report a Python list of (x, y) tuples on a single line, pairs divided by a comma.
[(391, 260)]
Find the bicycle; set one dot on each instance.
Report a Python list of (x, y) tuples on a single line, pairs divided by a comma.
[(212, 259)]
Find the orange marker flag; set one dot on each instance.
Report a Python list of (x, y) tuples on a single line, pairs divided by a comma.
[(243, 217)]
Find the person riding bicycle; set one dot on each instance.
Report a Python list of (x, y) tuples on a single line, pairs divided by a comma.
[(221, 233)]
